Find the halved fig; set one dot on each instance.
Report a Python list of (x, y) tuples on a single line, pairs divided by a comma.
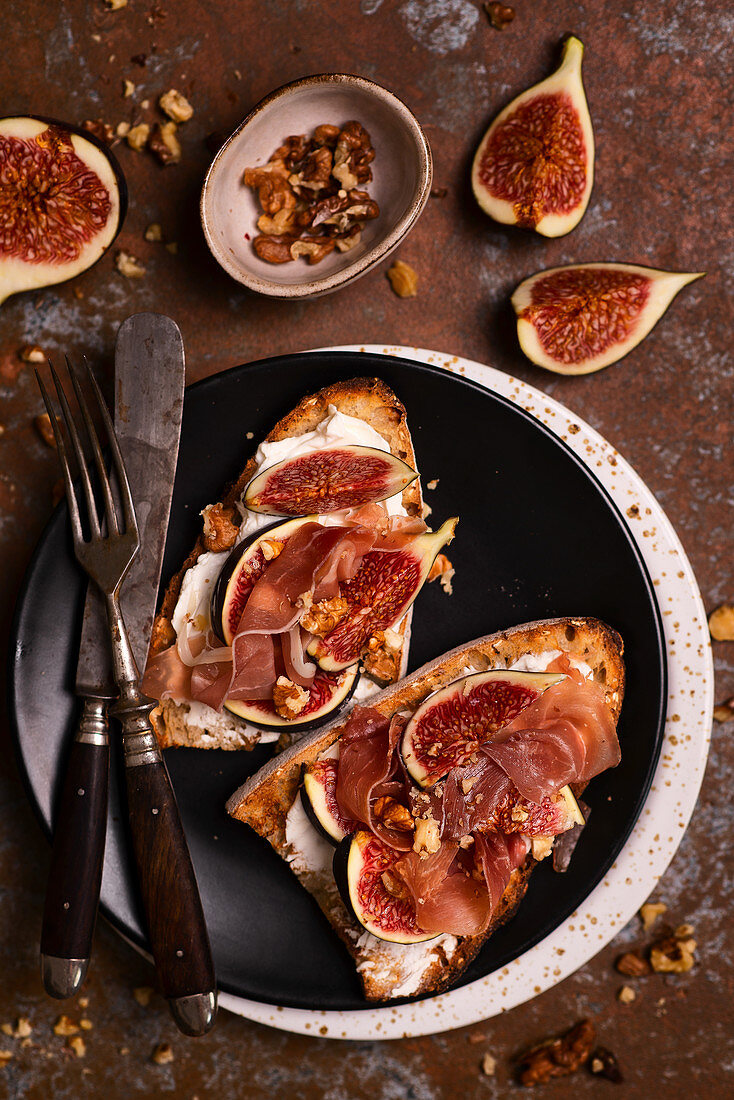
[(328, 693), (318, 795), (535, 165), (452, 723), (362, 871), (327, 480), (244, 566), (582, 317), (379, 594), (551, 817), (62, 202)]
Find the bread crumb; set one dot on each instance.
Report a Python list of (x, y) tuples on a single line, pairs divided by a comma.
[(489, 1065), (162, 1054), (143, 994), (626, 995), (649, 913), (77, 1044), (65, 1026)]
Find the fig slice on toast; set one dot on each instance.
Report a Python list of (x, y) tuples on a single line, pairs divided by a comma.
[(329, 692), (328, 480), (318, 795), (452, 723)]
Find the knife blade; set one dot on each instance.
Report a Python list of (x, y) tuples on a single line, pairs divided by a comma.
[(149, 386)]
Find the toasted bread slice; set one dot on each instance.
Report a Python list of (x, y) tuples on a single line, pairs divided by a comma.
[(368, 399), (387, 970)]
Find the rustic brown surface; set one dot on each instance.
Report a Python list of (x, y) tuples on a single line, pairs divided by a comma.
[(658, 78)]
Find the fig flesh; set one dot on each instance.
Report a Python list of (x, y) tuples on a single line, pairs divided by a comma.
[(452, 723), (244, 566), (318, 795), (328, 693), (361, 868), (62, 202), (378, 595), (327, 481), (535, 165), (582, 317)]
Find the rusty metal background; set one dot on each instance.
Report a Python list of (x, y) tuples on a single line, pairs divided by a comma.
[(658, 80)]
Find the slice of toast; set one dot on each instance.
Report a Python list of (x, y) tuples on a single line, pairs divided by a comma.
[(269, 800), (368, 399)]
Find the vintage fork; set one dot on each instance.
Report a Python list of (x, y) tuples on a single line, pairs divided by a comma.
[(166, 877)]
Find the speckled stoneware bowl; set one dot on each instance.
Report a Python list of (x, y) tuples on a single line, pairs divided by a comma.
[(402, 171)]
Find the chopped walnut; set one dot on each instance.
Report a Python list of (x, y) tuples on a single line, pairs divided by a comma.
[(176, 106), (278, 224), (444, 571), (321, 618), (349, 240), (153, 232), (220, 533), (394, 885), (77, 1044), (99, 129), (164, 144), (603, 1063), (162, 1054), (22, 1028), (353, 156), (127, 88), (45, 429), (403, 279), (85, 1024), (122, 129), (271, 183), (467, 784), (115, 5), (143, 994), (163, 635), (31, 353), (626, 995), (649, 913), (129, 265), (382, 657), (289, 699), (721, 623), (274, 250), (315, 248), (489, 1065), (499, 15), (466, 841), (314, 171), (558, 1058), (723, 712), (5, 1057), (433, 484), (427, 836), (271, 548), (671, 955), (137, 136), (65, 1026), (542, 846), (632, 965), (391, 813)]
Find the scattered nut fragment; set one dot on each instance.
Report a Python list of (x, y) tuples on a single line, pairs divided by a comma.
[(99, 129), (22, 1028), (143, 994), (220, 533), (153, 232), (626, 995), (115, 5), (45, 430), (77, 1044), (31, 353), (604, 1064), (289, 699), (444, 571), (65, 1026), (499, 15), (721, 623), (724, 711), (683, 931), (164, 144), (403, 279), (176, 106), (391, 813), (632, 965), (541, 847), (427, 836), (122, 129), (433, 484), (650, 911), (475, 1037), (671, 955), (5, 1056), (83, 1002), (127, 88), (137, 136), (489, 1065), (85, 1024), (129, 265), (560, 1057), (7, 1029), (162, 1054)]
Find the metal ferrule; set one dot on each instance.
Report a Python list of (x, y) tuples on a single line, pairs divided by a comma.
[(93, 728), (140, 748)]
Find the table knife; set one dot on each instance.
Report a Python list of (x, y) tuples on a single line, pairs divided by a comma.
[(149, 382)]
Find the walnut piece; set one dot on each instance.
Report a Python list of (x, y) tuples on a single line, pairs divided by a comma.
[(392, 814), (127, 88), (381, 659), (723, 712), (77, 1044), (129, 265), (137, 136), (162, 1054), (31, 353), (499, 15), (164, 144), (65, 1026), (220, 532), (558, 1058), (403, 279), (632, 965), (626, 995), (320, 618), (721, 623), (444, 571), (289, 699), (163, 635), (154, 232), (45, 429), (274, 250), (489, 1065), (542, 846), (176, 106), (603, 1063), (671, 955), (315, 248), (427, 836), (649, 913), (143, 994), (99, 129)]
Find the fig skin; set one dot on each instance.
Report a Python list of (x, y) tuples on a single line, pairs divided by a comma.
[(16, 274), (567, 82), (663, 287)]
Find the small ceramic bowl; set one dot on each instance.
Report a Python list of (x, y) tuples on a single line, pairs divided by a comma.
[(402, 173)]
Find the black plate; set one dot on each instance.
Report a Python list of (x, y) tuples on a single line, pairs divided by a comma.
[(538, 537)]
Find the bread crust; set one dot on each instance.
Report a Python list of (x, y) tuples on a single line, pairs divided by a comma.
[(369, 399), (265, 799)]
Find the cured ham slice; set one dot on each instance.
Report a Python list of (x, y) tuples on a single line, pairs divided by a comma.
[(369, 769), (472, 796)]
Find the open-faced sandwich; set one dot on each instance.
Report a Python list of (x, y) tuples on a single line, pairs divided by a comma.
[(416, 821), (296, 600)]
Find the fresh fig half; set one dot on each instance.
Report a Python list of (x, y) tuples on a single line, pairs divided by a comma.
[(327, 481), (244, 566), (379, 594), (318, 795), (556, 814), (361, 868), (582, 317), (450, 724), (329, 692), (62, 202), (535, 165)]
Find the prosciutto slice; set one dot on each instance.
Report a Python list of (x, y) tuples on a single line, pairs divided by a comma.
[(567, 735), (472, 795)]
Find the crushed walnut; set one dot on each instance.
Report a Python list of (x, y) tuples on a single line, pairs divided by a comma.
[(320, 618), (220, 532), (45, 429), (129, 266), (499, 15), (31, 353), (603, 1063), (403, 279), (723, 712), (721, 623), (560, 1057), (65, 1026), (162, 1054), (391, 813), (626, 995), (176, 106), (489, 1065), (444, 571), (381, 658), (77, 1044), (632, 965), (542, 846), (649, 913), (99, 129), (289, 699), (137, 136), (143, 994), (164, 144), (154, 232), (427, 836), (310, 193), (674, 954)]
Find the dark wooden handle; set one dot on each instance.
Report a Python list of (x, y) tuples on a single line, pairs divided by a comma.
[(168, 886), (72, 895)]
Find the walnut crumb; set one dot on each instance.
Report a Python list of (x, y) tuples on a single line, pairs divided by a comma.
[(560, 1057), (723, 712), (721, 623), (433, 484), (122, 129), (444, 571), (137, 136), (632, 965), (65, 1026), (489, 1065), (403, 279), (649, 913), (31, 353), (5, 1056), (127, 88), (162, 1054), (143, 994), (176, 106), (153, 232), (83, 1002), (427, 836), (289, 699), (85, 1024), (499, 15), (393, 815), (164, 144), (77, 1044), (670, 955), (626, 995), (129, 266), (542, 846), (220, 532), (466, 841), (320, 618), (45, 430), (7, 1029), (23, 1028), (115, 5)]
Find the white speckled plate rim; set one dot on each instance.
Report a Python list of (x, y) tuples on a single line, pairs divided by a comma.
[(672, 797)]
